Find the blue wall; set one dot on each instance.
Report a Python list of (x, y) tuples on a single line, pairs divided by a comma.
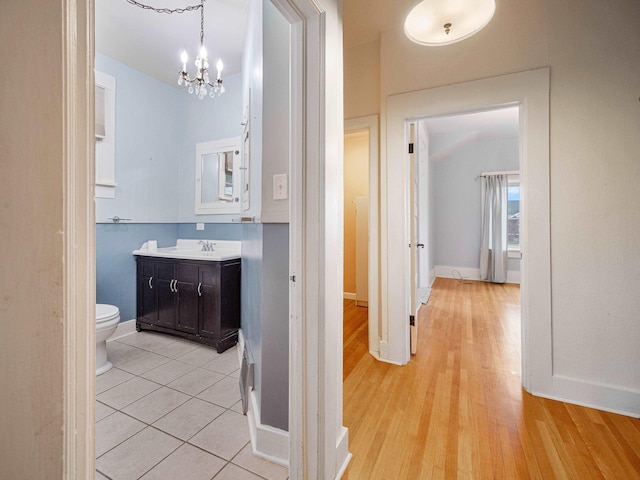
[(116, 266), (456, 202), (146, 147), (203, 121)]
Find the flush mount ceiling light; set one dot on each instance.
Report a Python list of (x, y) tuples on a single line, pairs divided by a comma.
[(199, 83), (441, 22)]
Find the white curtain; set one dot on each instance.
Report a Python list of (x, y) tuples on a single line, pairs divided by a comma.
[(493, 251)]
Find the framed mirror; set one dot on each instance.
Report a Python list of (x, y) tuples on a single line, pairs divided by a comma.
[(218, 177)]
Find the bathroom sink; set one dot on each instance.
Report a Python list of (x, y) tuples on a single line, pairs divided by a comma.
[(218, 250)]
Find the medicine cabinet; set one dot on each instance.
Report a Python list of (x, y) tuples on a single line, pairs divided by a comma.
[(218, 178)]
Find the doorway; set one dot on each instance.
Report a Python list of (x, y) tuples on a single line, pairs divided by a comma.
[(530, 90), (448, 156), (362, 134)]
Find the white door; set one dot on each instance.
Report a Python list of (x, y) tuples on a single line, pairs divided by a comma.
[(362, 251)]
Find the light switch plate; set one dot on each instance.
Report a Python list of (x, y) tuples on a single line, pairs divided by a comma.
[(280, 187)]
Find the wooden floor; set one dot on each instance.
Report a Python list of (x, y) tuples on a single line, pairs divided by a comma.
[(457, 409)]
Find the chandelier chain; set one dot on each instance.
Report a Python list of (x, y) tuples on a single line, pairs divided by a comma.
[(190, 8)]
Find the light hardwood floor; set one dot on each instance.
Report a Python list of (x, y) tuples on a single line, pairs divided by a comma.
[(457, 410)]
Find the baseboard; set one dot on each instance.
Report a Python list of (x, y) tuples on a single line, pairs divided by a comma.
[(266, 442), (124, 328), (593, 395), (343, 457), (349, 296), (240, 348), (467, 273)]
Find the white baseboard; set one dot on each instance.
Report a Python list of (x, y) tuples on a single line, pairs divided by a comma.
[(349, 296), (432, 276), (343, 457), (124, 328), (266, 442), (593, 395), (240, 348), (467, 273)]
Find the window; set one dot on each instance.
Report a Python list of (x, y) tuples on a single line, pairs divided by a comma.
[(513, 216), (105, 98)]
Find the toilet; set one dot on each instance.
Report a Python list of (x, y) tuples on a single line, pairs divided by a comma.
[(107, 318)]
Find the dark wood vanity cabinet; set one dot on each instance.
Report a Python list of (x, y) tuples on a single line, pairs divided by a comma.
[(199, 300)]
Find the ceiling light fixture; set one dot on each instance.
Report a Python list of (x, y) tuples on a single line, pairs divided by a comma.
[(199, 83), (442, 22)]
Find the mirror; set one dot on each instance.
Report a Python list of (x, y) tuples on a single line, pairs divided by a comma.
[(218, 177)]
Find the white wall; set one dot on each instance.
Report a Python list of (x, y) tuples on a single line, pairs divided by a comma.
[(44, 189), (594, 56)]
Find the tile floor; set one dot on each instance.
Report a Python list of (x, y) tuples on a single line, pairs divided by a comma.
[(170, 409)]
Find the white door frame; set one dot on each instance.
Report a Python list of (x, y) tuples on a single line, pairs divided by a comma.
[(370, 123), (79, 240), (530, 90), (318, 442)]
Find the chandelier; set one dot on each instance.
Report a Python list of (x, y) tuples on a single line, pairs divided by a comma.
[(442, 22), (199, 84), (200, 81)]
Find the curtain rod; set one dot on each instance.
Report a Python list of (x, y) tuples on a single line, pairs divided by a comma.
[(506, 172)]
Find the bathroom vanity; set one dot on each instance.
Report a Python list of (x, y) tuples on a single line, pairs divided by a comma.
[(191, 290)]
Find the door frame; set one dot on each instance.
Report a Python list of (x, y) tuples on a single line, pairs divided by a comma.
[(318, 441), (529, 90), (370, 124)]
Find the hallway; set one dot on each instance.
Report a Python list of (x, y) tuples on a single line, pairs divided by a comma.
[(457, 410)]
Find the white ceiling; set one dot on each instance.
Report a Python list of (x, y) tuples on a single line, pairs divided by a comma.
[(152, 42), (364, 20)]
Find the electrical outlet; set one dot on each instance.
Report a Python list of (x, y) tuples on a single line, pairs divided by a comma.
[(199, 226), (280, 187)]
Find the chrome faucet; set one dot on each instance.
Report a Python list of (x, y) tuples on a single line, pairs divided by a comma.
[(207, 246)]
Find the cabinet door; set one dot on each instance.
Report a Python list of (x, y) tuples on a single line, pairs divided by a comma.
[(147, 294), (209, 301), (166, 295), (187, 308)]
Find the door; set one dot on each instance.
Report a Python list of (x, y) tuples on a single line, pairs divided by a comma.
[(209, 301), (413, 235), (186, 291), (166, 295), (362, 251), (147, 291), (422, 216)]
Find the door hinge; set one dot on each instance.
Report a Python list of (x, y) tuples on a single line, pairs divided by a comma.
[(412, 320), (411, 148), (292, 278)]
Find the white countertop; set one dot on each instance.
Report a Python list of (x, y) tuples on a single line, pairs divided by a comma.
[(192, 250)]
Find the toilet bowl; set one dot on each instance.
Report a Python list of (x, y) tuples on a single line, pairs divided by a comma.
[(107, 318)]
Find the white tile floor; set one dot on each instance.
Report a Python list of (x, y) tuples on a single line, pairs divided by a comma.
[(170, 409)]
